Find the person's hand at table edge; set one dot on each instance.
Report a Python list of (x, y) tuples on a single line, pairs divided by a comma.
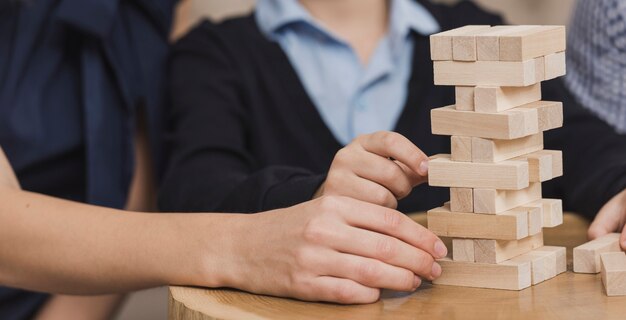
[(380, 168), (611, 218)]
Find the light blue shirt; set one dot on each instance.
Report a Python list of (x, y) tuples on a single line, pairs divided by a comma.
[(351, 98)]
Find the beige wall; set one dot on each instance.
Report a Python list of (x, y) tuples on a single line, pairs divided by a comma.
[(515, 11)]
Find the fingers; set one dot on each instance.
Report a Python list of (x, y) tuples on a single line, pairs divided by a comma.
[(394, 145), (370, 272), (340, 290), (359, 188), (393, 223), (607, 220), (386, 249)]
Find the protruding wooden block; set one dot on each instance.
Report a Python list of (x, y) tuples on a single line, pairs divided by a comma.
[(552, 211), (587, 255), (561, 258), (614, 273), (550, 113), (510, 225), (464, 98), (507, 275), (463, 250), (492, 201), (441, 43), (488, 41), (495, 150), (510, 124), (531, 43), (462, 199), (487, 73), (507, 175), (554, 65), (494, 251), (497, 99), (535, 219), (461, 148), (541, 165)]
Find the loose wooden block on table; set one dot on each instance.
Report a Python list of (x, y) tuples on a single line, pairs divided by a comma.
[(587, 255), (614, 273), (462, 199), (531, 43), (495, 251), (461, 148), (495, 150), (492, 201), (463, 250), (508, 275), (552, 211), (497, 99), (488, 73), (441, 43), (554, 65), (464, 98), (508, 175), (510, 124), (510, 225)]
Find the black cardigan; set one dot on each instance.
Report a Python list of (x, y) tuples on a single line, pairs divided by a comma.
[(245, 136)]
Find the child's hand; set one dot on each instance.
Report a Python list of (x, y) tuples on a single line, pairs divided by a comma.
[(379, 168), (611, 218)]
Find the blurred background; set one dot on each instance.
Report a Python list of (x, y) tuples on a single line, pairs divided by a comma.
[(152, 304)]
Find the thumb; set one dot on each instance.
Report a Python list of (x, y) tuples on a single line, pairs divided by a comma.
[(606, 221)]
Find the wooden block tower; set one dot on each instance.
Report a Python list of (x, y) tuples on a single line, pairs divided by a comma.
[(497, 163)]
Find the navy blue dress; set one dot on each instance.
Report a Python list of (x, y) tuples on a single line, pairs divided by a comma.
[(74, 74)]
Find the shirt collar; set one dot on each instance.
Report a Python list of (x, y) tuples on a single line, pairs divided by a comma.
[(405, 15)]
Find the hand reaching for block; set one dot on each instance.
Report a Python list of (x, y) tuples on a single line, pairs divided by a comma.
[(611, 218), (380, 168)]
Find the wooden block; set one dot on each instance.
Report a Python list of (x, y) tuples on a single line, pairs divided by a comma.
[(509, 124), (539, 265), (496, 150), (441, 43), (507, 275), (552, 211), (464, 98), (535, 219), (587, 255), (541, 165), (554, 65), (463, 250), (486, 73), (462, 199), (614, 273), (550, 114), (497, 99), (561, 258), (495, 251), (507, 175), (492, 201), (532, 43), (488, 41), (461, 148), (464, 45), (540, 68), (510, 225)]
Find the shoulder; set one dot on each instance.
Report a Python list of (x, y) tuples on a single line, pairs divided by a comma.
[(460, 14)]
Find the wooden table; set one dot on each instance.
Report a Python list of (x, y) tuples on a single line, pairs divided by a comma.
[(568, 296)]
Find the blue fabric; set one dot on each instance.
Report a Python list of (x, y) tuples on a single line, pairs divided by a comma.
[(596, 58), (366, 98), (72, 75)]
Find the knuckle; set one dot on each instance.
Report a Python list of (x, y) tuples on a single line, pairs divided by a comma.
[(344, 293), (329, 204), (391, 173), (382, 197), (407, 280), (385, 249), (424, 263), (314, 232), (389, 139), (368, 272)]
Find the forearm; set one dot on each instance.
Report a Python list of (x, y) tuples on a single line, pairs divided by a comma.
[(58, 246)]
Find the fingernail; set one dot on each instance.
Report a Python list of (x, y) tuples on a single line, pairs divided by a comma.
[(424, 167), (436, 270), (440, 249), (416, 282)]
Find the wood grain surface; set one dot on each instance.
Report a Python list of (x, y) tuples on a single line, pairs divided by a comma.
[(568, 296)]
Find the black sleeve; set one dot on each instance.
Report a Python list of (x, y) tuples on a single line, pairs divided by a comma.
[(210, 166), (594, 156)]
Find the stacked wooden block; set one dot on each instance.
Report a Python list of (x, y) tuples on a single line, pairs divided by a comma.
[(603, 255), (497, 163)]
